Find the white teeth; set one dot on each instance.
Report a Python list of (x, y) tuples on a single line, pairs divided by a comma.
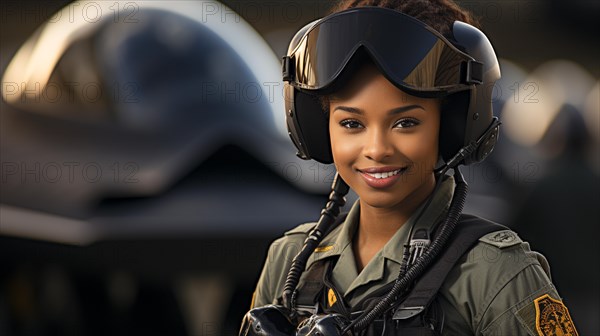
[(384, 175)]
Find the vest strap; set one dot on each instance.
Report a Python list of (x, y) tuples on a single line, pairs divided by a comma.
[(466, 233), (420, 299)]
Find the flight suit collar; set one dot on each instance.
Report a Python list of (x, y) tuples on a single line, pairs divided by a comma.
[(339, 243), (394, 248), (339, 239)]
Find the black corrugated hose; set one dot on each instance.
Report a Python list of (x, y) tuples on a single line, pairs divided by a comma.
[(416, 270), (328, 215)]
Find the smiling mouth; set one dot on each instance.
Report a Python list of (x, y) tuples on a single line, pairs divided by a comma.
[(383, 175)]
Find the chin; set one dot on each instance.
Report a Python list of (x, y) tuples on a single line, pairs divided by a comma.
[(382, 201)]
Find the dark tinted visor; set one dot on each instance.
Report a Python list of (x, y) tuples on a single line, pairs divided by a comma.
[(410, 54)]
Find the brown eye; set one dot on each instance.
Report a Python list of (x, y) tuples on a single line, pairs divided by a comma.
[(350, 123), (406, 123)]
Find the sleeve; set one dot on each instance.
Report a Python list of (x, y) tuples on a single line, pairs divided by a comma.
[(277, 264), (528, 304), (501, 288), (262, 294)]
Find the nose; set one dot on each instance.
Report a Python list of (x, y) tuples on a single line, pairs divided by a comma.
[(378, 146)]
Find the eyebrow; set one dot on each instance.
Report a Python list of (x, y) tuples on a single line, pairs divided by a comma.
[(396, 110)]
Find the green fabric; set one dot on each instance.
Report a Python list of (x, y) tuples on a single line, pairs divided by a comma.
[(490, 291), (385, 265)]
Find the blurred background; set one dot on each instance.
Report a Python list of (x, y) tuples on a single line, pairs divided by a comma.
[(145, 165)]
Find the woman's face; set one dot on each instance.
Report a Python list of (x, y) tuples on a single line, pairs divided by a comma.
[(384, 141)]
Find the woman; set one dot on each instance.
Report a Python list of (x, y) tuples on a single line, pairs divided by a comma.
[(397, 103)]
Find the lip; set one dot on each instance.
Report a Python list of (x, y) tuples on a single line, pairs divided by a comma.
[(380, 183), (373, 170)]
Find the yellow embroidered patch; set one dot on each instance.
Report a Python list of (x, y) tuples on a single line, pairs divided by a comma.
[(323, 248), (552, 317), (331, 298)]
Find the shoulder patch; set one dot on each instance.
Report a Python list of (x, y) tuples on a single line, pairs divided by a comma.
[(552, 317), (302, 228), (501, 239)]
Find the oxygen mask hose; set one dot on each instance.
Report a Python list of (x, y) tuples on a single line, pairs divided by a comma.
[(328, 215), (414, 271)]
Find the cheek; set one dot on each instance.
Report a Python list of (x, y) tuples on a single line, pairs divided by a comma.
[(422, 147), (341, 148), (431, 142)]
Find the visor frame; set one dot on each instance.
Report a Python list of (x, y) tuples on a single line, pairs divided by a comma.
[(468, 71)]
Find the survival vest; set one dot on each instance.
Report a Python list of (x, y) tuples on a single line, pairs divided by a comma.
[(416, 312)]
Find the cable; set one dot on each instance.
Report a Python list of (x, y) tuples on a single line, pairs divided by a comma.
[(406, 253), (328, 215), (438, 183), (415, 270)]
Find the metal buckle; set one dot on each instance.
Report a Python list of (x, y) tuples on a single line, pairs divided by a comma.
[(407, 312), (474, 72)]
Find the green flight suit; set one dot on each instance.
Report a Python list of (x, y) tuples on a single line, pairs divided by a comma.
[(492, 290)]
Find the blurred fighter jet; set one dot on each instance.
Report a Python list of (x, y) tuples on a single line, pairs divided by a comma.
[(145, 168)]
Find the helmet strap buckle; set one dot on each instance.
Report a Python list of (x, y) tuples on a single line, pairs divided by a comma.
[(473, 72)]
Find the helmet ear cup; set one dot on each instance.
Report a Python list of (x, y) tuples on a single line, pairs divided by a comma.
[(452, 124), (308, 131), (478, 123), (454, 132), (487, 143)]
